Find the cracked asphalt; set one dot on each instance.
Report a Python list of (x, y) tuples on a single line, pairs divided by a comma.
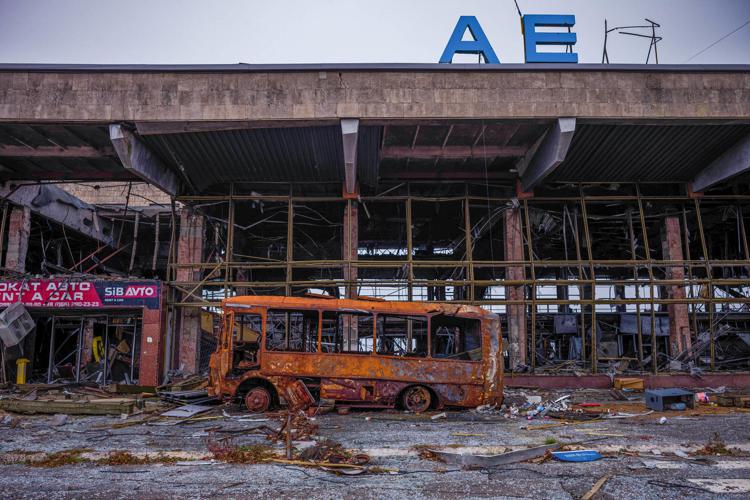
[(640, 460)]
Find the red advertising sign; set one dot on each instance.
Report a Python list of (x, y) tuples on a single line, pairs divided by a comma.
[(58, 293)]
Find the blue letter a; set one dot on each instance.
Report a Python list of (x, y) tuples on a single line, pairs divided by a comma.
[(480, 44)]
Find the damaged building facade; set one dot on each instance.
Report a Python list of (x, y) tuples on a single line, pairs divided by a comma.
[(602, 211)]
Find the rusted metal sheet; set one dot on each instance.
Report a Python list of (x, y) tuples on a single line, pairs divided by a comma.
[(298, 397), (363, 378)]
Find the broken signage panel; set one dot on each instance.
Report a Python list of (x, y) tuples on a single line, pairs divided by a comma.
[(83, 294)]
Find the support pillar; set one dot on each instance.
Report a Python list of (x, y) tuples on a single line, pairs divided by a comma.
[(349, 250), (679, 319), (349, 253), (190, 251), (19, 228), (516, 313), (153, 324)]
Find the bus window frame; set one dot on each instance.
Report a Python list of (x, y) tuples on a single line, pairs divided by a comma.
[(262, 311), (428, 318)]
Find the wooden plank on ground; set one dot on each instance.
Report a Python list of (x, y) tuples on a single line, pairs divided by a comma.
[(103, 407)]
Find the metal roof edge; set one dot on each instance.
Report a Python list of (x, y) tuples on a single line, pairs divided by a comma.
[(250, 68)]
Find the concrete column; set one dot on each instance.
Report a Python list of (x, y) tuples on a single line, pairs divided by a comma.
[(516, 313), (349, 253), (679, 320), (190, 250), (349, 249), (19, 228)]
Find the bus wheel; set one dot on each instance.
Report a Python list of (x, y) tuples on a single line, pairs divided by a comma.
[(416, 399), (258, 400)]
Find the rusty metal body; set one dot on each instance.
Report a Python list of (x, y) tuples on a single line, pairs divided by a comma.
[(363, 378)]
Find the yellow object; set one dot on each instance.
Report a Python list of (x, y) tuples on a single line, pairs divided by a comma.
[(123, 347), (97, 348), (21, 370), (629, 383), (207, 322)]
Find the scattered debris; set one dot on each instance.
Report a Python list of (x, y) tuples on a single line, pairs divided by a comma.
[(717, 446), (226, 451), (439, 416), (669, 399), (187, 411), (93, 407), (577, 455), (512, 457), (628, 383), (597, 486), (425, 452), (59, 459), (127, 458), (330, 451), (628, 415), (59, 419), (734, 399), (716, 485)]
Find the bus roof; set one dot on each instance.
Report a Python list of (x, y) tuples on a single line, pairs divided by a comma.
[(382, 306)]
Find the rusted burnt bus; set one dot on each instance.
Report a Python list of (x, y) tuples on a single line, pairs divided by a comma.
[(415, 355)]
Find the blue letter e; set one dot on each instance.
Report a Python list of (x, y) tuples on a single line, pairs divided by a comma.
[(480, 44), (532, 38)]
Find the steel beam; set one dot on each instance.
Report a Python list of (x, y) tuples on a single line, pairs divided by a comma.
[(549, 155), (452, 152), (349, 135), (734, 161), (56, 204), (55, 152), (141, 161)]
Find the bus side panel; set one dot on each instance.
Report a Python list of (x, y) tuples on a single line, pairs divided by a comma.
[(385, 393), (379, 379)]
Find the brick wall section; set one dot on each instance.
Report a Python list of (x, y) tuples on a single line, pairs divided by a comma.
[(108, 193), (679, 319), (408, 94), (190, 251), (152, 343), (19, 228), (516, 313)]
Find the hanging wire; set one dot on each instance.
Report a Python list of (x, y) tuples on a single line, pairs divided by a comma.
[(717, 41), (518, 8)]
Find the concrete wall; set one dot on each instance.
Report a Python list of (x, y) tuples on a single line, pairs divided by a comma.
[(104, 193), (407, 94)]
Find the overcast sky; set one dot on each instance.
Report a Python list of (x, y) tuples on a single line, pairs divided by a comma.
[(332, 31)]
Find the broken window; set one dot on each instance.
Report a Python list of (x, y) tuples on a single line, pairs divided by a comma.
[(402, 335), (456, 338), (295, 331), (246, 334), (347, 332)]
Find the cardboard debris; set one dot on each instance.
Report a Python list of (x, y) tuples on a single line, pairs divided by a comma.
[(635, 384), (186, 411), (98, 407)]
